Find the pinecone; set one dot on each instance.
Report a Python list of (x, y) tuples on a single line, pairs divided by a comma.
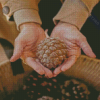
[(74, 90), (37, 86), (51, 52)]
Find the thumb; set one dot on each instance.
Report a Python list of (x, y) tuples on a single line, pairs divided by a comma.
[(18, 49), (86, 47), (46, 33)]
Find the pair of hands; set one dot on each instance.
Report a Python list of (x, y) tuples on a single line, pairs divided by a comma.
[(30, 36)]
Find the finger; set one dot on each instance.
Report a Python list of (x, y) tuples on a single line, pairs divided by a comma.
[(35, 65), (46, 33), (48, 73), (57, 71), (70, 61), (66, 65), (18, 49), (86, 48)]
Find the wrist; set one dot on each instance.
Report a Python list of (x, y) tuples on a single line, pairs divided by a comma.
[(29, 25), (74, 12), (68, 25)]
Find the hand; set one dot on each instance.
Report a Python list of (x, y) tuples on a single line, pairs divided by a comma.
[(74, 41), (25, 47)]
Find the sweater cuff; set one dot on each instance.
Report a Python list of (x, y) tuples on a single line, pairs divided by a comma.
[(74, 12), (26, 15), (11, 6)]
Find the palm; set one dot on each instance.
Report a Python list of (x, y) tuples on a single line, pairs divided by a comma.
[(29, 54), (25, 48), (31, 44), (74, 41)]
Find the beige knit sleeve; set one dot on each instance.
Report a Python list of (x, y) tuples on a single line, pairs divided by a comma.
[(75, 12), (23, 10), (26, 15)]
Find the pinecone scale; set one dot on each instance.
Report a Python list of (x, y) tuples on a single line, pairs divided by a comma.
[(51, 52)]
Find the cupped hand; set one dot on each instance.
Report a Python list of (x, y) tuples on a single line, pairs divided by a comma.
[(25, 47), (74, 40)]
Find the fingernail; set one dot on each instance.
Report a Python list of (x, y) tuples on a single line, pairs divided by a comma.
[(95, 56), (46, 76), (50, 76), (63, 69), (11, 59), (55, 75), (41, 72)]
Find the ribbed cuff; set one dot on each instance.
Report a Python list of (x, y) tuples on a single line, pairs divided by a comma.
[(74, 12), (26, 15), (15, 5)]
